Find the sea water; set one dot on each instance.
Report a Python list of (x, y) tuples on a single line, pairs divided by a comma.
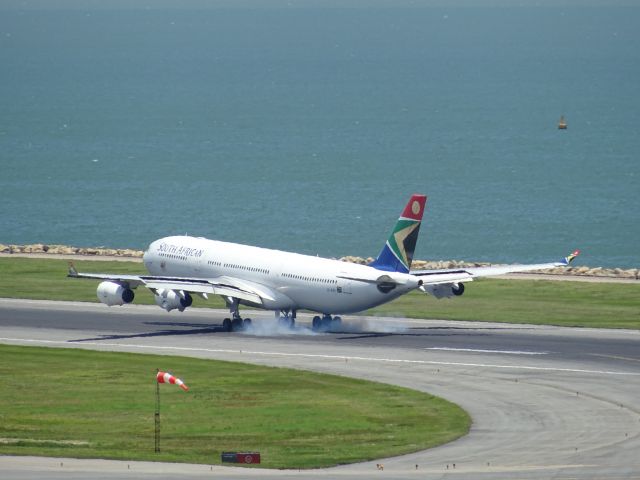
[(307, 128)]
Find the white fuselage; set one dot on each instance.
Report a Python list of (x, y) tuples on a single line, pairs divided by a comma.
[(290, 281)]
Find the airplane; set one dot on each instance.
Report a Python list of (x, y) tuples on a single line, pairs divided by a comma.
[(285, 282)]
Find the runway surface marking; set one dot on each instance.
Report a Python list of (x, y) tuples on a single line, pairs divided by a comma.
[(615, 357), (330, 357), (477, 350)]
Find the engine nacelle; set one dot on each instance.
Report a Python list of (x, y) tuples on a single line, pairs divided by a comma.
[(112, 293), (444, 290), (457, 289), (170, 300)]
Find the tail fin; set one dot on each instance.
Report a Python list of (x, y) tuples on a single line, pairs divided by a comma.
[(568, 259), (397, 253)]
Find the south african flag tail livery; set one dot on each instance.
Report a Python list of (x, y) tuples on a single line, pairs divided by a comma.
[(397, 253)]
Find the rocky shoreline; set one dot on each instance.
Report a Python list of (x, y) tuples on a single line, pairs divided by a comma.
[(39, 248), (65, 250)]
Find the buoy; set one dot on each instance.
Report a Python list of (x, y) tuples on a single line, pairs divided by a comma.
[(562, 124)]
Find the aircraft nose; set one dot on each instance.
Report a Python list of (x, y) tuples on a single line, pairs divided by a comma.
[(146, 256)]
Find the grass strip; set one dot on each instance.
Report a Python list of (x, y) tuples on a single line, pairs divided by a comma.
[(537, 302), (547, 302), (87, 404)]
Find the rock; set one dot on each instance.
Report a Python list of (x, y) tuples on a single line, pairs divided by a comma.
[(351, 259), (54, 249), (35, 248), (132, 253)]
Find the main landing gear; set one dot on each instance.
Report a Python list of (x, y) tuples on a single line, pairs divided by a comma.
[(326, 323), (286, 319), (236, 323)]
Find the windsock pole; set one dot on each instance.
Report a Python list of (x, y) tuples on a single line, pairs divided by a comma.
[(157, 415), (164, 377)]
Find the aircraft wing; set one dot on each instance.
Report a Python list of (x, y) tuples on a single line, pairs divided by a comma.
[(447, 282), (225, 286), (468, 274)]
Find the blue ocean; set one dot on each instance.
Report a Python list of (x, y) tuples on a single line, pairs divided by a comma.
[(306, 127)]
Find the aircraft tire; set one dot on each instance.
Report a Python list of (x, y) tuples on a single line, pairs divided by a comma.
[(336, 323), (226, 325), (317, 323), (247, 324), (236, 325), (285, 322), (325, 324)]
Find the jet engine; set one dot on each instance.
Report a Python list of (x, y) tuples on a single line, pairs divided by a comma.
[(444, 290), (170, 299), (112, 293), (457, 289)]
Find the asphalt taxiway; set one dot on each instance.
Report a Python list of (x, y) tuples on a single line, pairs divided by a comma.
[(546, 402)]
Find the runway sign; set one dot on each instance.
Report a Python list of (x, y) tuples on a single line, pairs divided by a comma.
[(241, 457)]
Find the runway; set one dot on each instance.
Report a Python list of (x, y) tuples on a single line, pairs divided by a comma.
[(546, 402)]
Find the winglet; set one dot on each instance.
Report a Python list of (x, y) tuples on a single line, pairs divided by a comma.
[(568, 259), (72, 270)]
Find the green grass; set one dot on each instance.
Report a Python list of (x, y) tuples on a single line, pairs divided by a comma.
[(539, 302), (105, 402), (46, 279), (604, 305)]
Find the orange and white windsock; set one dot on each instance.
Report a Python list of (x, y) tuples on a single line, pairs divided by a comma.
[(166, 377)]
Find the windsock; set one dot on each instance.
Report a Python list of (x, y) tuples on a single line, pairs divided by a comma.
[(166, 377)]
